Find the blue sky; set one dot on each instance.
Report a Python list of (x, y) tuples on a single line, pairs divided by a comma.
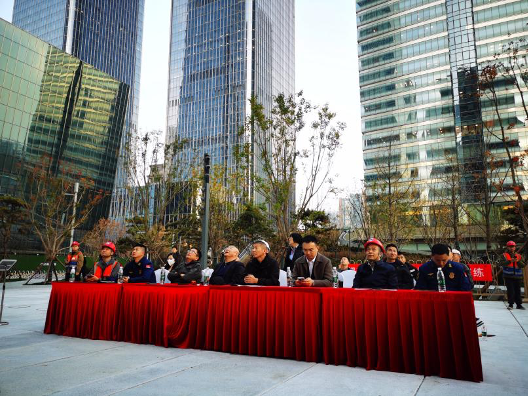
[(326, 70)]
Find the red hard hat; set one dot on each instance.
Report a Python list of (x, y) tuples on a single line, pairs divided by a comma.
[(109, 245), (374, 241), (510, 243), (75, 243)]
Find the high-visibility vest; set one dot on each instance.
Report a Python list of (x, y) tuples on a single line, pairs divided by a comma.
[(512, 269), (107, 272)]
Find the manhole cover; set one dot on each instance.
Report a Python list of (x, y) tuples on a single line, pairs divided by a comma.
[(18, 306)]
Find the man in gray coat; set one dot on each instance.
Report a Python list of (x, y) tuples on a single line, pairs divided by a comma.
[(315, 268)]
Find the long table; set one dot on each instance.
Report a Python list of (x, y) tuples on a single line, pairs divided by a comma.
[(406, 331)]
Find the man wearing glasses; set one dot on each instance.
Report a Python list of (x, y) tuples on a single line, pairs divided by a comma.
[(189, 270)]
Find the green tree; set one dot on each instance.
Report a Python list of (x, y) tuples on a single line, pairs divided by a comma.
[(252, 223)]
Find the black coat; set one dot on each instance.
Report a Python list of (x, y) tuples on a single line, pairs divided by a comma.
[(296, 254), (382, 277), (403, 272), (191, 271), (233, 275), (267, 272)]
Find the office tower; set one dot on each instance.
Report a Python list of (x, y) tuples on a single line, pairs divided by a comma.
[(107, 35), (56, 106), (222, 53), (421, 109)]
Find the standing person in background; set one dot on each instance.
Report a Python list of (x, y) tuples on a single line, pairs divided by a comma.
[(512, 266), (405, 278), (294, 250), (75, 259)]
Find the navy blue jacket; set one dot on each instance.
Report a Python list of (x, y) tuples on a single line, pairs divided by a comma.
[(382, 277), (231, 273), (454, 274), (142, 272)]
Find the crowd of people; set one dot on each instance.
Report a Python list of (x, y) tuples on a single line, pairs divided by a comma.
[(384, 267)]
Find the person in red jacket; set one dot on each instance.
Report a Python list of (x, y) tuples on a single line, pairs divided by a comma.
[(512, 266), (107, 268)]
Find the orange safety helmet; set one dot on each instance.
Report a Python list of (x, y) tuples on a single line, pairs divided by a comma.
[(510, 243), (374, 241), (75, 243)]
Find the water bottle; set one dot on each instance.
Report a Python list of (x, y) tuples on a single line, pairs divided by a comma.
[(484, 332), (206, 279), (72, 274), (162, 276), (334, 275), (441, 280), (120, 275), (289, 275)]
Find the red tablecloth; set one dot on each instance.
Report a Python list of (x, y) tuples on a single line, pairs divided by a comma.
[(163, 315), (84, 310), (265, 321), (425, 333), (418, 332)]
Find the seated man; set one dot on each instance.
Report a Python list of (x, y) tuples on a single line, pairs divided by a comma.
[(315, 268), (403, 271), (107, 268), (261, 269), (189, 270), (140, 268), (374, 273), (231, 271), (455, 277)]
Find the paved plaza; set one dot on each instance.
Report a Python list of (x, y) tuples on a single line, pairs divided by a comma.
[(32, 363)]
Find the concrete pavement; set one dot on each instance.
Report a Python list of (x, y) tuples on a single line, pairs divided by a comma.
[(32, 363)]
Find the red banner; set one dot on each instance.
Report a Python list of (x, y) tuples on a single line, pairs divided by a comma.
[(480, 272)]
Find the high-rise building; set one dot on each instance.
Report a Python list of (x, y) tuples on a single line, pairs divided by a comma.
[(222, 53), (421, 108), (105, 34), (57, 107)]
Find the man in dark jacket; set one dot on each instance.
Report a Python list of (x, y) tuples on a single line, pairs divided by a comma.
[(261, 269), (294, 250), (454, 275), (374, 273), (188, 271), (140, 268), (403, 272), (231, 271), (315, 268)]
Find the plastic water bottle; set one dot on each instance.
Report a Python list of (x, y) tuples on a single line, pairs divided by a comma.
[(206, 279), (72, 274), (162, 276), (120, 275), (289, 275), (441, 280), (334, 275), (484, 332)]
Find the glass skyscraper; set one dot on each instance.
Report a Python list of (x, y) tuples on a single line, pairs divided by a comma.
[(222, 53), (56, 106), (419, 63), (105, 34)]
